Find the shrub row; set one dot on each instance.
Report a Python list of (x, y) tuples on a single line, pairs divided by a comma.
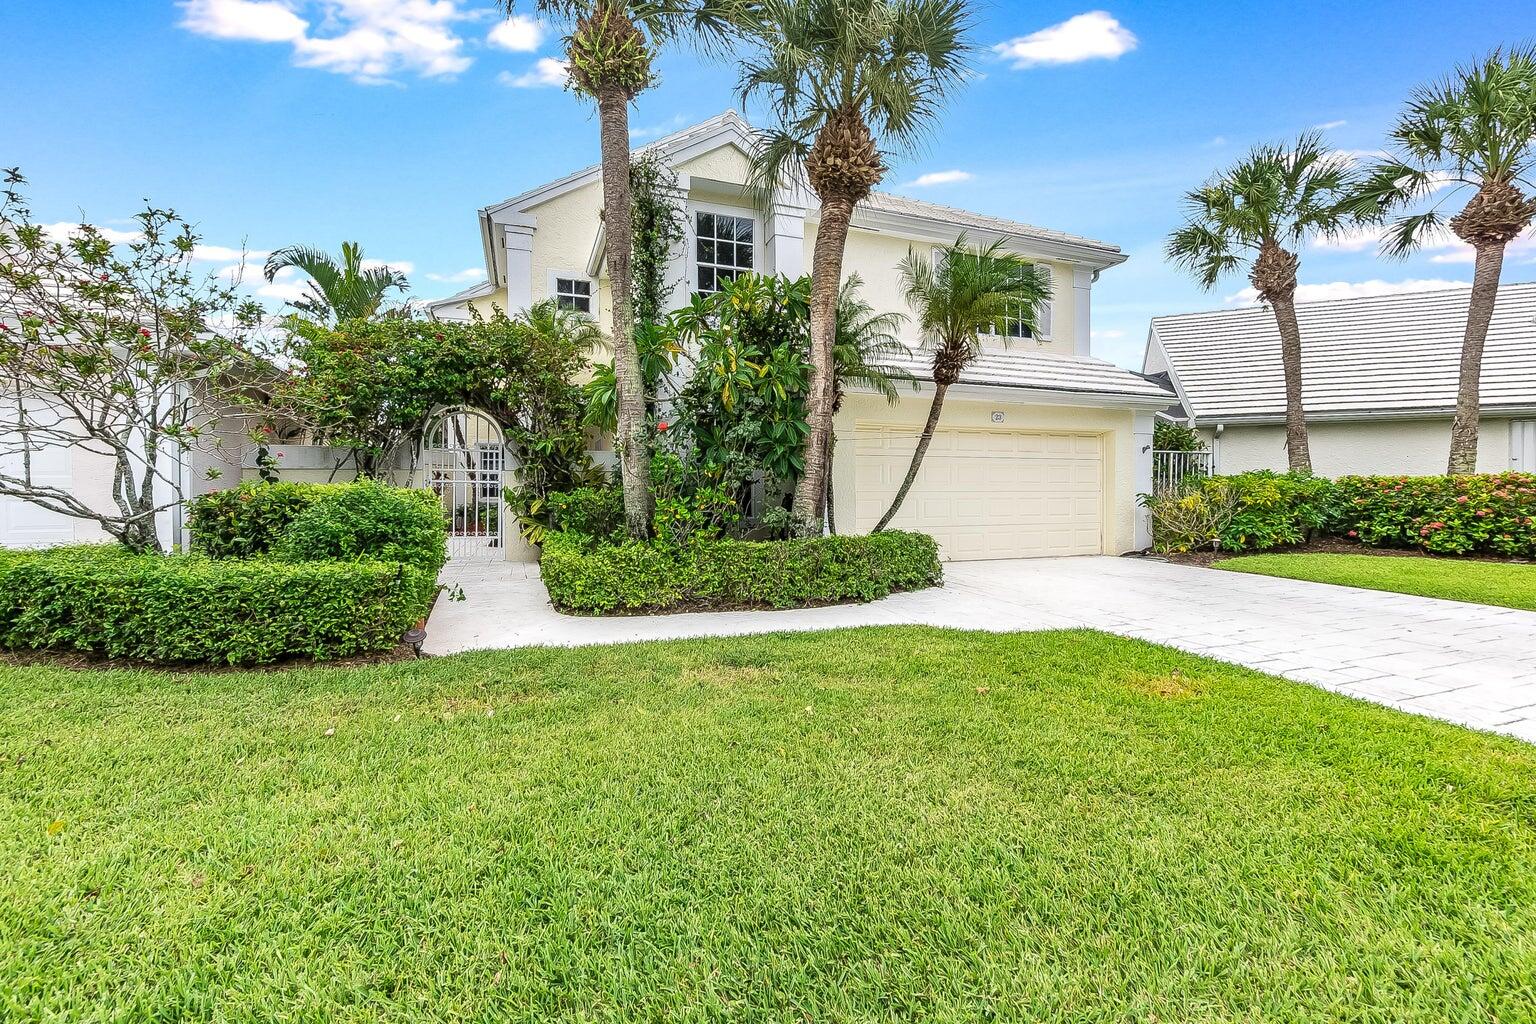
[(106, 601), (1488, 513), (583, 577), (280, 570)]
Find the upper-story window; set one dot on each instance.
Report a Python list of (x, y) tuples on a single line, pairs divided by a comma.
[(723, 249), (1013, 325), (573, 293)]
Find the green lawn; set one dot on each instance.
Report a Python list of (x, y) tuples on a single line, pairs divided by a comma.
[(1499, 583), (880, 824)]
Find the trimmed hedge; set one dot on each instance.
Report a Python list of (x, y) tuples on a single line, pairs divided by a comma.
[(1490, 512), (190, 608), (734, 573), (369, 520), (1493, 513), (250, 519)]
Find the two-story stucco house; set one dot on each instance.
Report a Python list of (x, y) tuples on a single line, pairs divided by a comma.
[(1042, 449)]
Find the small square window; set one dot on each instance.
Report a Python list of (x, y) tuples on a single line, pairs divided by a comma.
[(574, 293), (723, 249)]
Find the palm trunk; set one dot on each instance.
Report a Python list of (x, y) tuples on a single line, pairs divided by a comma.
[(826, 277), (939, 390), (630, 437), (1297, 452), (831, 461), (1485, 291)]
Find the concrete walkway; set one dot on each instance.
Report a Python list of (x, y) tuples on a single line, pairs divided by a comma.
[(1464, 663)]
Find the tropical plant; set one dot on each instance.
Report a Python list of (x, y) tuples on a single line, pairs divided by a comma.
[(337, 290), (958, 295), (124, 352), (1476, 130), (1256, 213), (610, 49), (862, 353), (848, 81), (658, 228)]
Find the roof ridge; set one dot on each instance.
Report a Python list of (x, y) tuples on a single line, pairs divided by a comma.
[(1385, 296)]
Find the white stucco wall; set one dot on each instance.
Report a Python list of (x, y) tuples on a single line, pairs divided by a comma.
[(1415, 447)]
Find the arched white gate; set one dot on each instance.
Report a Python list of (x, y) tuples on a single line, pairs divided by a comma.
[(464, 461)]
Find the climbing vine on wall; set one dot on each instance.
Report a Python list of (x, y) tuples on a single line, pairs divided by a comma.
[(658, 225)]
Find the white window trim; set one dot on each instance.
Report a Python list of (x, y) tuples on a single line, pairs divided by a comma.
[(692, 240), (1040, 338), (574, 275)]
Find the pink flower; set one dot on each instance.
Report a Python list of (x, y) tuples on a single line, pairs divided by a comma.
[(144, 331), (1461, 500), (1424, 532), (663, 426), (1354, 533)]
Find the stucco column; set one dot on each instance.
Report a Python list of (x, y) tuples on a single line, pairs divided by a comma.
[(786, 240), (680, 287), (1141, 455), (1082, 325), (518, 235)]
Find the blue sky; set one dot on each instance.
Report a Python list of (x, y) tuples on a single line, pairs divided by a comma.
[(390, 122)]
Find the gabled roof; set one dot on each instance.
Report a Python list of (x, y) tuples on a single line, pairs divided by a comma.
[(881, 210), (1043, 372), (1393, 355)]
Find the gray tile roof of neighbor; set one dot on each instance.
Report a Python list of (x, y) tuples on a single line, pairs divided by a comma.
[(1384, 355), (1041, 371)]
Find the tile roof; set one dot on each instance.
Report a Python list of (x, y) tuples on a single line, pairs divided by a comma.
[(904, 206), (1041, 371), (1397, 354)]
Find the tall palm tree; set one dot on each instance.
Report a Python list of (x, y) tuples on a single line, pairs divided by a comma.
[(344, 290), (1476, 130), (864, 341), (1257, 213), (957, 295), (610, 49), (846, 80)]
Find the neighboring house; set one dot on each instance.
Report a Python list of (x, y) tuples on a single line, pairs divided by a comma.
[(1042, 449), (1379, 382)]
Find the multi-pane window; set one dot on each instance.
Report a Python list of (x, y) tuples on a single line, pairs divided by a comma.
[(573, 293), (492, 462), (723, 249), (1012, 324)]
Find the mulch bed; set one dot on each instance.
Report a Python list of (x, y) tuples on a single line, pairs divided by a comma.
[(1332, 546), (82, 661)]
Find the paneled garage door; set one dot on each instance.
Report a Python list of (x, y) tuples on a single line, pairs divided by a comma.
[(22, 524), (988, 493)]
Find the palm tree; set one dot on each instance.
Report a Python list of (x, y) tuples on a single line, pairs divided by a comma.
[(1256, 213), (1475, 130), (344, 290), (610, 48), (957, 295), (864, 338), (844, 78)]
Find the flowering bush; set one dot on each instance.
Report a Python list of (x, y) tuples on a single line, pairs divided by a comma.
[(1490, 512)]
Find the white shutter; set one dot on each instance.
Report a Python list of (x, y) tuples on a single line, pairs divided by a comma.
[(1043, 320), (1522, 446)]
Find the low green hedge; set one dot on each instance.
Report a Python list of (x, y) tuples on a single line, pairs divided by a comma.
[(250, 519), (1493, 513), (107, 601), (734, 573)]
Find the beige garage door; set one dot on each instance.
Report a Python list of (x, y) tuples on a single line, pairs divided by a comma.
[(988, 493)]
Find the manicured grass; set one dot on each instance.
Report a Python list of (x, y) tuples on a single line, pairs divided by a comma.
[(880, 824), (1499, 583)]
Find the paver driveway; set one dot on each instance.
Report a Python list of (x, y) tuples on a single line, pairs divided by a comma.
[(1461, 662)]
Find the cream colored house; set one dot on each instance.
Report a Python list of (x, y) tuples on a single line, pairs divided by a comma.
[(1379, 379), (1042, 449)]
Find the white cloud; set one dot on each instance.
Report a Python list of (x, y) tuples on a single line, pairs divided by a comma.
[(1107, 335), (1352, 290), (403, 266), (464, 276), (519, 33), (282, 291), (1328, 126), (1217, 142), (940, 178), (1092, 36), (546, 71), (1442, 246), (63, 231), (661, 128), (368, 40)]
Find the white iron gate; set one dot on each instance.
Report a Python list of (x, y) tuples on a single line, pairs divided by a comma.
[(464, 462), (1173, 471)]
